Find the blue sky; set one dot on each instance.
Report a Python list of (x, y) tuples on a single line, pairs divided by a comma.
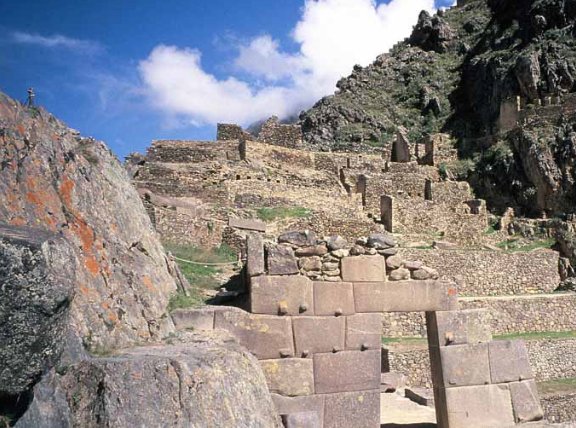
[(128, 72)]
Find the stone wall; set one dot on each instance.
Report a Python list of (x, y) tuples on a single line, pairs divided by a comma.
[(485, 272), (227, 131), (181, 151), (276, 133), (559, 407)]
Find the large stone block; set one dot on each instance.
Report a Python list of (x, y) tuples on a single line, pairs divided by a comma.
[(301, 420), (346, 371), (353, 409), (363, 268), (333, 298), (255, 255), (281, 260), (304, 238), (509, 361), (478, 406), (292, 405), (281, 295), (465, 365), (247, 224), (318, 334), (195, 319), (458, 327), (266, 336), (364, 331), (525, 402), (289, 376), (404, 296)]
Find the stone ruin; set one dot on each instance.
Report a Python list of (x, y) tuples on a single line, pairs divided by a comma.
[(318, 336), (272, 132)]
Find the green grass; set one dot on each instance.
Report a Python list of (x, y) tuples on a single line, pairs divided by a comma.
[(199, 276), (271, 214), (490, 230), (557, 385), (514, 245), (538, 335), (404, 340)]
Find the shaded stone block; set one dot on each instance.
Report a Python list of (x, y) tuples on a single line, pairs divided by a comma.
[(422, 396), (364, 331), (301, 420), (391, 381), (525, 401), (291, 405), (196, 319), (281, 295), (352, 409), (363, 268), (280, 260), (318, 334), (247, 224), (458, 327), (255, 255), (404, 296), (346, 371), (465, 365), (333, 298), (289, 376), (304, 238), (478, 406), (265, 336), (509, 361)]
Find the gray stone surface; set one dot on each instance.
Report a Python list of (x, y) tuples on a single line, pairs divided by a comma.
[(247, 224), (281, 295), (363, 268), (289, 376), (196, 319), (347, 371), (291, 405), (333, 298), (315, 250), (207, 382), (318, 334), (404, 296), (525, 401), (37, 272), (465, 365), (509, 361), (479, 406), (255, 255), (304, 238), (459, 327), (381, 241), (280, 260), (302, 420), (363, 331), (353, 409), (266, 336)]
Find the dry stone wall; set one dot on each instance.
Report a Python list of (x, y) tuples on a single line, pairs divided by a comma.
[(560, 407), (484, 272)]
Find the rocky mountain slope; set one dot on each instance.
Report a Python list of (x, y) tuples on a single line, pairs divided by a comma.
[(453, 75)]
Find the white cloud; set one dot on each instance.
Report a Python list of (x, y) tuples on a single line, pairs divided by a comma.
[(333, 36), (56, 41)]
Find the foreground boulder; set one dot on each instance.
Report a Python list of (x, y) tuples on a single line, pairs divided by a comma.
[(207, 381)]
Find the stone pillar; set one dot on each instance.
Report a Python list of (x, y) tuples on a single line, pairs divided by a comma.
[(386, 212)]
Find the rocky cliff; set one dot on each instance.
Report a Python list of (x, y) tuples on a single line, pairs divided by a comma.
[(455, 74), (85, 337)]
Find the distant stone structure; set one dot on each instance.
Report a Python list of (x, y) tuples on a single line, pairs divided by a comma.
[(314, 324), (274, 132)]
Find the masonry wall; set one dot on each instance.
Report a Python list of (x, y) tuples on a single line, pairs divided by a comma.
[(485, 273), (560, 407)]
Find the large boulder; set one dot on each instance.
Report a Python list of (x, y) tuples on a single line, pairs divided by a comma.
[(206, 381)]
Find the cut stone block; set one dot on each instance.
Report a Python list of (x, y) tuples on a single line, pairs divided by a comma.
[(318, 334), (196, 319), (363, 268), (289, 376), (458, 327), (404, 296), (301, 420), (266, 336), (291, 405), (333, 298), (509, 361), (281, 295), (352, 409), (525, 401), (281, 260), (465, 365), (364, 331), (346, 371), (247, 224), (304, 238), (478, 406), (255, 255)]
